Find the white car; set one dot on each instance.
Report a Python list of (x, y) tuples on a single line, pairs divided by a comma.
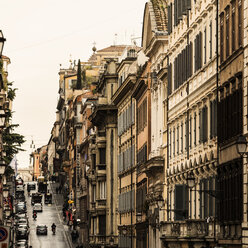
[(38, 207)]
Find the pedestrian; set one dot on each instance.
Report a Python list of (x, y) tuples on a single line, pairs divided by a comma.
[(74, 222)]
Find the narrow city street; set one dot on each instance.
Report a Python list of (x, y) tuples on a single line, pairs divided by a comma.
[(51, 214)]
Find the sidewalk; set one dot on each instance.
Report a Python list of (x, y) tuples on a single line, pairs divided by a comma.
[(58, 200)]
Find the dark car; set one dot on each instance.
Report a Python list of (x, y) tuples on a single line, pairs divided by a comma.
[(22, 243), (31, 186), (41, 229), (21, 234)]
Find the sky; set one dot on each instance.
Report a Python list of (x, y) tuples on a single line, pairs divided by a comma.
[(41, 36)]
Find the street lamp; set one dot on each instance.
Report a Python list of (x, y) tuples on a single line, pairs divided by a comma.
[(191, 183), (2, 167), (241, 145), (2, 118), (2, 40), (5, 192), (190, 180)]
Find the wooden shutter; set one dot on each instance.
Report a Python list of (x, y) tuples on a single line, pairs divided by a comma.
[(200, 126), (180, 202), (200, 50), (169, 19), (175, 12)]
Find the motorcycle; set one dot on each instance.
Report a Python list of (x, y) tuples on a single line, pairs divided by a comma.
[(54, 230)]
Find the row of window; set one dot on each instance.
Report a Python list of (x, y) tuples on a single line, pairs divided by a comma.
[(182, 66), (126, 119), (125, 204), (180, 9), (183, 63), (230, 29), (126, 159), (184, 136)]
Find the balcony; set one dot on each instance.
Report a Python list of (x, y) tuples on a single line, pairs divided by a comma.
[(100, 204), (101, 169), (196, 229), (97, 239)]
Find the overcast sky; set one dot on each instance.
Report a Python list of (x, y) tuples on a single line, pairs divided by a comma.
[(41, 35)]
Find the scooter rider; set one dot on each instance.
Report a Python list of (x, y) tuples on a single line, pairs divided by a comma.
[(34, 214), (53, 227)]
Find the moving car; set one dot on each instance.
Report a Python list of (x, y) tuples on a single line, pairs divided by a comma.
[(31, 186), (36, 198), (37, 207), (48, 198), (41, 229)]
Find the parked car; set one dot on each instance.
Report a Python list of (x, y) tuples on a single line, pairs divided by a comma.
[(22, 222), (21, 234), (20, 208), (21, 216), (19, 187), (22, 243), (23, 226), (41, 229), (37, 207)]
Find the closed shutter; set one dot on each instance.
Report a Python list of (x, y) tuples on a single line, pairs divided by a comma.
[(189, 4), (133, 155), (180, 202), (200, 50), (191, 58), (215, 118), (133, 199), (133, 112), (169, 19), (200, 126), (195, 50), (169, 79), (175, 12)]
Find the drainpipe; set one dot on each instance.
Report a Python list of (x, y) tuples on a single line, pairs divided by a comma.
[(131, 178), (217, 98), (112, 178)]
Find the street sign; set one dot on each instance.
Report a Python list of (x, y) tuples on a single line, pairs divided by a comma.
[(4, 236), (70, 201)]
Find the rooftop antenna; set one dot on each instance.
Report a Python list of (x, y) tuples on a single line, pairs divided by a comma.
[(115, 40)]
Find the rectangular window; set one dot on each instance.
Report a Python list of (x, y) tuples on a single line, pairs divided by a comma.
[(222, 38), (181, 137), (102, 155), (233, 25), (205, 45), (177, 139), (170, 144), (240, 23), (102, 190), (174, 139), (93, 193), (190, 132), (102, 225), (180, 201), (210, 39), (194, 129), (227, 31)]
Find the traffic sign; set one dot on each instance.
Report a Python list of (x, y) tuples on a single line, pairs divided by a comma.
[(70, 201), (3, 234)]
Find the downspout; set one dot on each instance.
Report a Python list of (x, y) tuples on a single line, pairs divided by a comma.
[(112, 178), (131, 198), (217, 98)]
